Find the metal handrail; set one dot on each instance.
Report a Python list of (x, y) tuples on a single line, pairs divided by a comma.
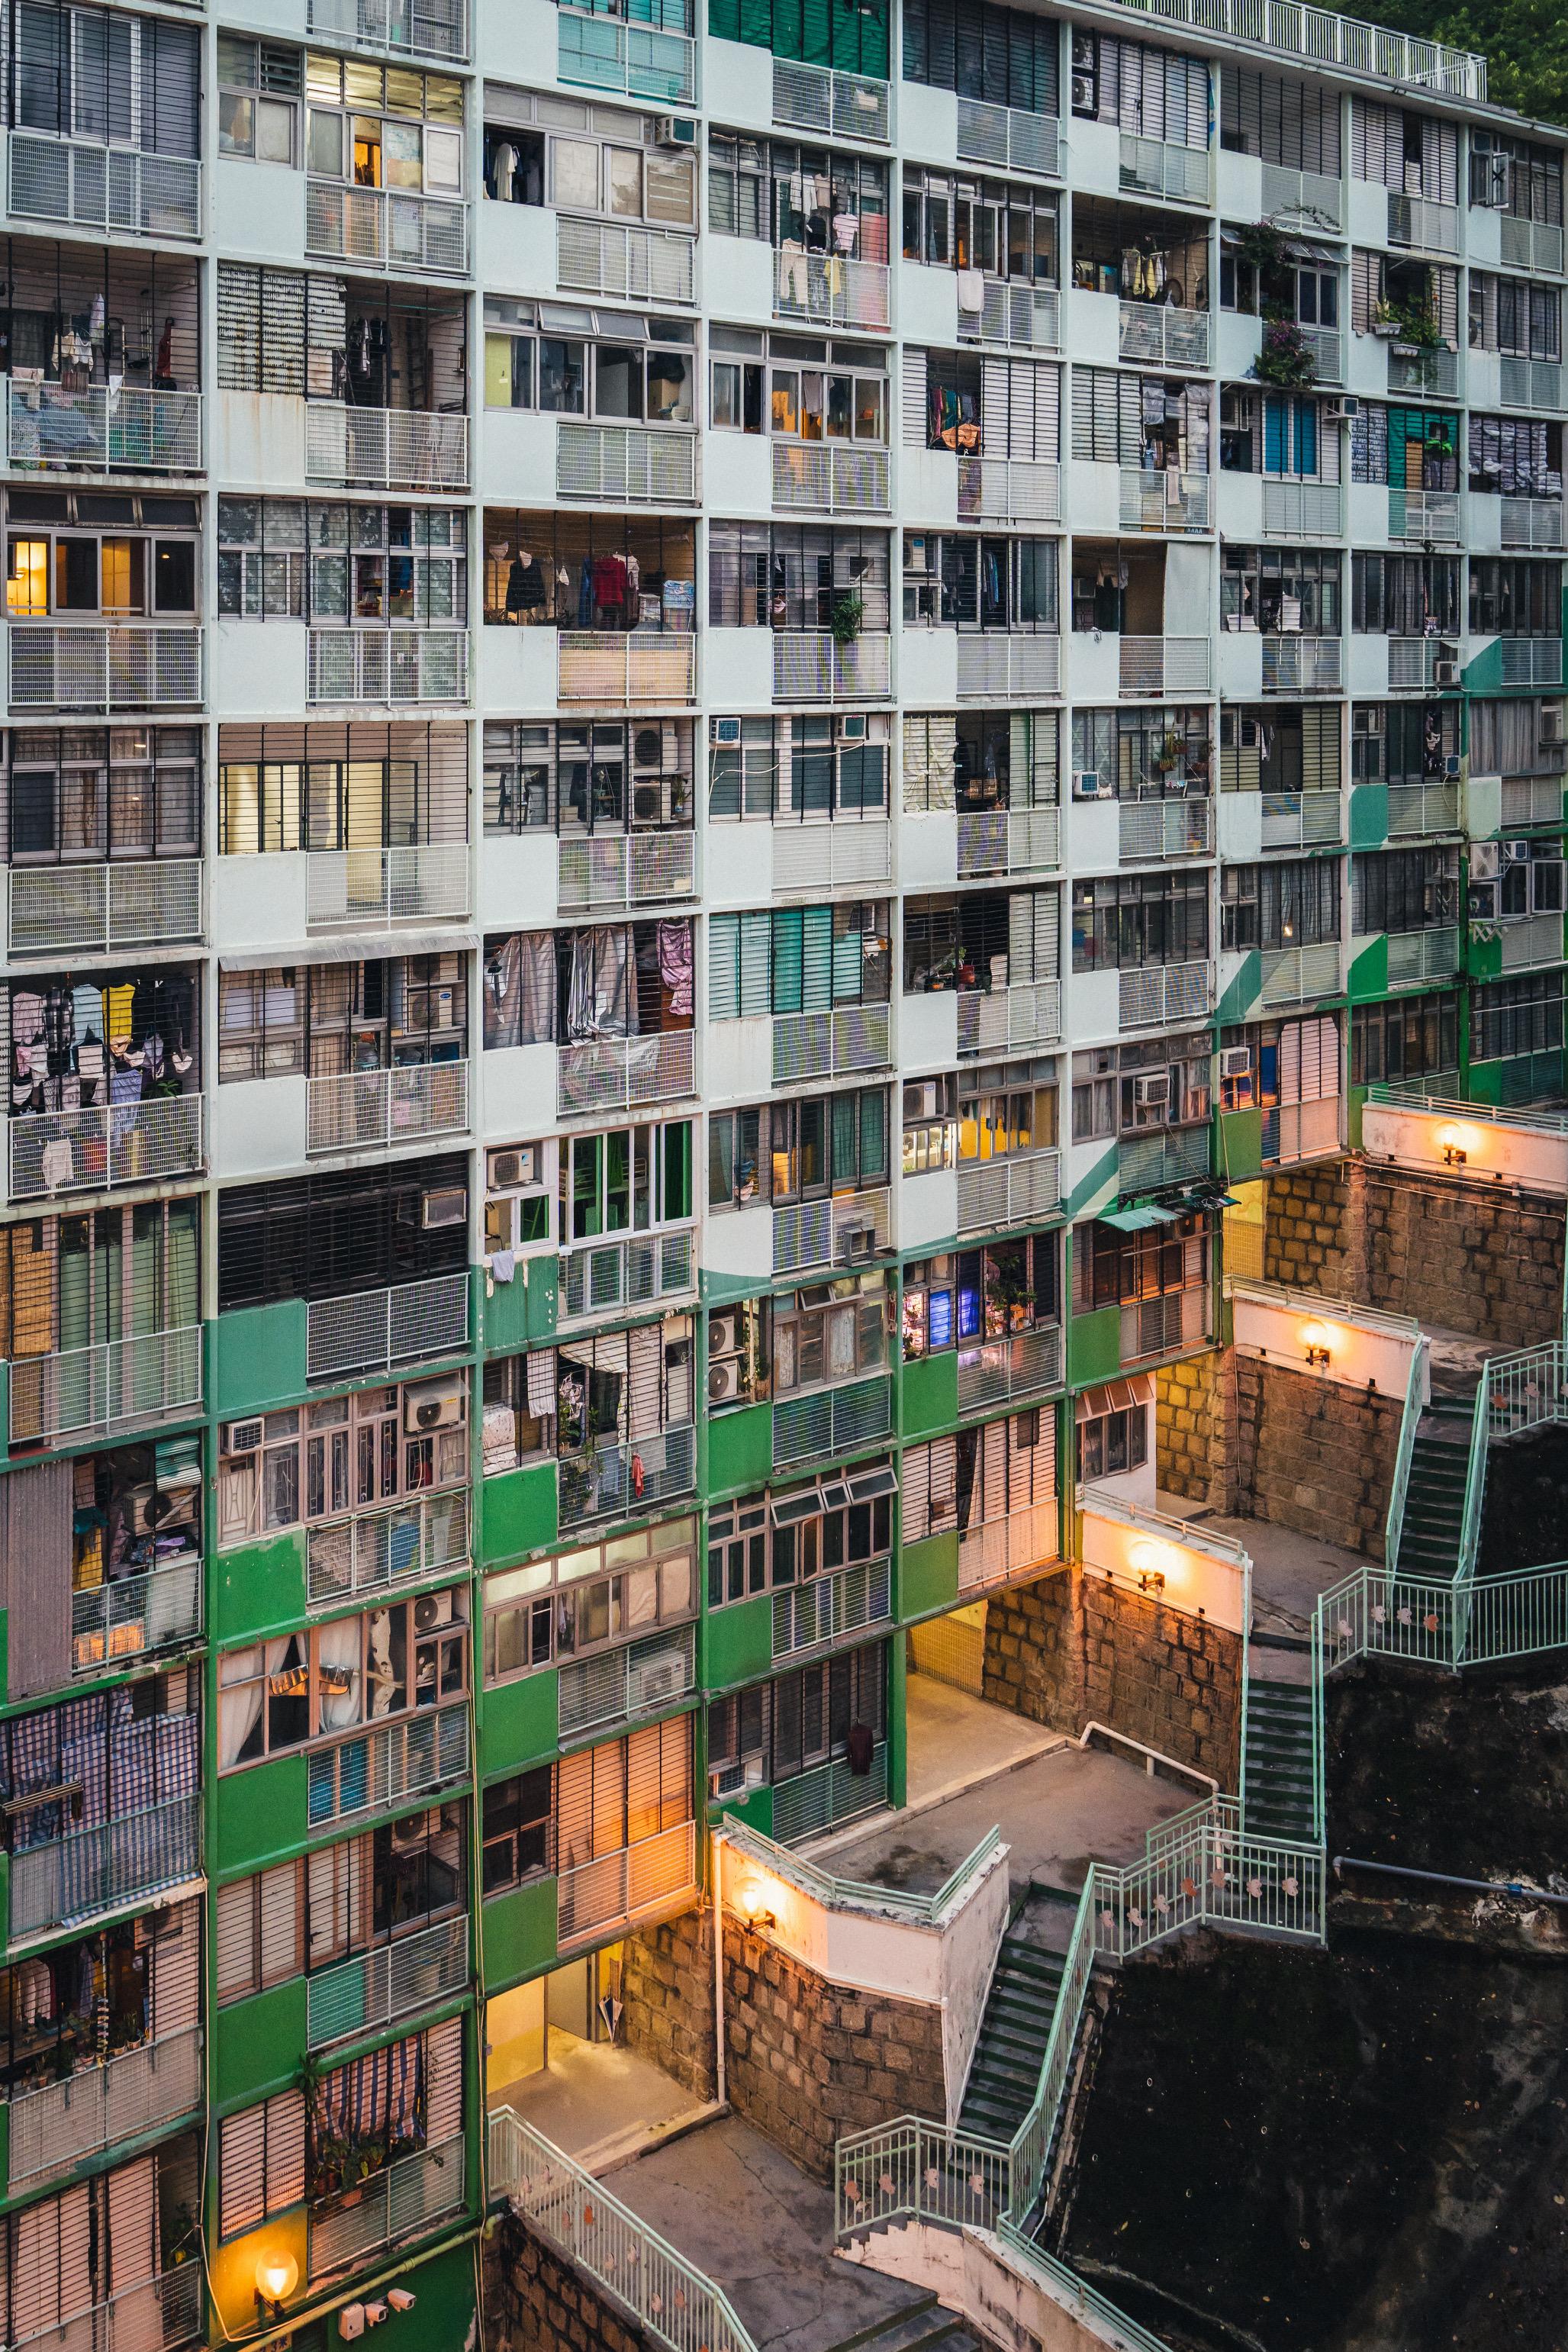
[(1415, 1404), (858, 1894), (1540, 1122), (1063, 2285)]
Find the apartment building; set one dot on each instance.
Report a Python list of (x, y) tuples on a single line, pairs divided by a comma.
[(713, 726)]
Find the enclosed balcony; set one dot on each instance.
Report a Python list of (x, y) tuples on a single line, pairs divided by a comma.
[(103, 620), (104, 840), (403, 28), (384, 165), (104, 370), (999, 239), (1124, 597), (116, 148), (617, 592), (1153, 266)]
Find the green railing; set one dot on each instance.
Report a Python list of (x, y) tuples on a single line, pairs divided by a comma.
[(1101, 2318), (1416, 1393), (855, 1894)]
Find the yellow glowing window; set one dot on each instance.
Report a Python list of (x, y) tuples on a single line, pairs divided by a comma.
[(27, 578)]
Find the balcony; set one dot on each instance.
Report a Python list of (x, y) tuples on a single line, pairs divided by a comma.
[(106, 910), (1302, 820), (852, 1600), (1531, 799), (811, 666), (1415, 367), (1165, 499), (1417, 957), (380, 228), (376, 889), (84, 184), (1147, 1163), (381, 1551), (622, 1480), (393, 2208), (623, 1073), (1158, 1327), (829, 1044), (620, 869), (111, 1624), (646, 1677), (378, 1110), (811, 98), (376, 1770), (629, 671), (1415, 661), (428, 28), (1303, 510), (151, 1142), (1154, 167), (1027, 1014), (1008, 489), (827, 290), (626, 463), (134, 666), (645, 1270), (385, 448), (1299, 975), (1000, 1548), (1025, 316), (1420, 221), (1010, 138), (592, 1898), (374, 1989), (1530, 244), (103, 2107), (1525, 946), (1165, 665), (1157, 334), (371, 1330), (599, 54), (388, 666), (647, 265), (997, 666), (1530, 661), (1314, 197), (1416, 809), (1166, 996), (828, 1795), (844, 1232), (49, 430), (1532, 522), (1016, 1189), (163, 2312), (1425, 515), (109, 1389), (829, 477), (1008, 1372), (1293, 664), (1008, 841), (810, 858), (1163, 828), (106, 1868), (827, 1422), (1300, 1130), (1530, 383)]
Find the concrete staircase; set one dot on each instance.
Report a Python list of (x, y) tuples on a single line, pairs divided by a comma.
[(1014, 2030), (1277, 1760), (1433, 1509), (922, 2326)]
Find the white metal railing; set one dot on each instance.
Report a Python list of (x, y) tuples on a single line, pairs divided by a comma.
[(1530, 661), (1027, 1013), (134, 666), (1425, 514), (90, 186), (849, 1231), (1535, 941), (1009, 841), (1316, 199), (1145, 1163), (377, 888), (1532, 522), (145, 902), (1009, 490), (372, 1770), (376, 1551), (620, 1480), (1303, 510), (1531, 799), (1531, 244), (621, 869), (1293, 664), (1155, 1327), (808, 857), (643, 1677), (385, 448), (1319, 37), (367, 664), (162, 2311), (358, 1110), (998, 1549), (1296, 975), (1164, 828), (1162, 336), (1159, 996), (1012, 312), (1413, 661), (830, 290), (600, 54), (996, 663), (393, 2208), (374, 1989), (1165, 665), (1415, 956), (382, 228), (1424, 808), (812, 666), (860, 1895), (1422, 221), (616, 1888), (1158, 167), (830, 476), (1530, 383), (1165, 499), (654, 265), (814, 97), (826, 1422), (371, 1330), (1302, 820), (614, 666), (603, 1277), (49, 429), (1300, 1130), (1424, 367), (1012, 1191), (673, 2304), (829, 1044), (619, 1073), (113, 1622), (115, 1385), (103, 1868), (101, 2106), (148, 1142), (1012, 136), (1003, 1372), (1535, 1121), (433, 28), (828, 1607)]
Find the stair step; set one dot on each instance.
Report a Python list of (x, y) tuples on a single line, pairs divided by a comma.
[(917, 2328)]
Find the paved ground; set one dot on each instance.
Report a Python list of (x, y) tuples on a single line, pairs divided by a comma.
[(592, 2096), (955, 1739)]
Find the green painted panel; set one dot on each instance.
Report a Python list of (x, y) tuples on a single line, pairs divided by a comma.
[(927, 1576), (1484, 674), (1238, 1000), (1094, 1347), (1096, 1190), (260, 2044), (5, 1411), (929, 1395), (1369, 972), (521, 1722), (5, 2151), (738, 1644), (1368, 816), (260, 1814), (722, 1289), (1241, 1145), (1482, 955), (739, 1450), (447, 2298), (521, 1313), (1356, 1105), (255, 1358), (259, 1589), (518, 1930), (517, 1513), (755, 1809)]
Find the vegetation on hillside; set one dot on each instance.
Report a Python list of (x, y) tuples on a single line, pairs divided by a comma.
[(1525, 43)]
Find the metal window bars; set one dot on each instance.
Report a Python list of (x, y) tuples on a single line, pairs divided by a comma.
[(89, 185), (111, 1386), (611, 666), (393, 2207), (1013, 313), (377, 1551), (653, 265), (606, 1277), (828, 478), (385, 448), (1159, 334), (1014, 1190), (630, 462), (423, 882), (811, 666), (1297, 975), (619, 870), (135, 667), (101, 2106), (615, 1888), (1165, 664), (644, 62), (815, 97), (831, 1043), (805, 1616), (1012, 136), (620, 1480), (100, 430), (1176, 827), (829, 1421), (371, 1330), (849, 1231), (382, 228), (1028, 1013), (644, 1677), (993, 663), (148, 1142), (395, 665), (373, 1769), (1294, 820), (152, 902), (1164, 498), (359, 1110), (996, 1550), (374, 1989), (432, 28), (828, 290), (1009, 841), (112, 1623), (1162, 995), (1006, 1372), (74, 1879), (808, 858), (623, 1073)]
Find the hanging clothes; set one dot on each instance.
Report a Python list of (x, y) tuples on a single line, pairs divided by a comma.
[(674, 939)]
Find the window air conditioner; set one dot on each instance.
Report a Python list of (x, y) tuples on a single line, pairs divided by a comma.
[(857, 1245), (660, 1679), (1445, 673), (447, 1207), (727, 1781), (1152, 1089), (1550, 728), (432, 1404), (1236, 1061), (1516, 852), (727, 731), (1089, 786), (241, 1436), (1484, 861), (674, 131), (1346, 410)]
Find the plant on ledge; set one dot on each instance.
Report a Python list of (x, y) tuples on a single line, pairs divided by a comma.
[(1286, 358), (1407, 322), (1261, 246), (846, 619)]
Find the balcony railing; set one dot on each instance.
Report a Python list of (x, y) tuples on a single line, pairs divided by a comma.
[(1027, 1014), (81, 181), (998, 1549), (1008, 489), (1165, 499), (1015, 1189), (1314, 197), (376, 1769), (1422, 221), (1527, 945), (620, 869), (1414, 661), (1300, 1130), (385, 448), (375, 889), (377, 1551), (1531, 661), (130, 667), (603, 1277), (1158, 1327), (107, 908), (827, 1794), (1165, 665), (1415, 957), (1164, 828), (651, 265), (1021, 314), (1532, 522), (362, 1110), (1425, 514), (1161, 995), (1530, 244), (619, 1685), (1012, 137), (375, 665), (380, 228), (1009, 841), (845, 1233), (430, 28), (805, 1616), (393, 2208), (619, 1888), (620, 1481), (371, 1330), (112, 1623), (103, 1869), (132, 431), (1319, 37), (1424, 808), (1161, 336), (1293, 664), (1302, 820), (163, 2312), (855, 106), (1157, 167), (811, 666), (627, 671), (116, 1386), (1297, 975), (374, 1989), (150, 1142), (599, 54), (811, 858), (828, 1422), (994, 663), (1424, 368), (829, 477), (626, 461), (1144, 1163), (1532, 800), (829, 1044), (620, 1073), (103, 2107), (1530, 383), (1004, 1371), (830, 290), (1303, 510)]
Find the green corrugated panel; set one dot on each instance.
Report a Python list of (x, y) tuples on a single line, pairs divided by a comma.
[(756, 23), (786, 28), (724, 19), (817, 32)]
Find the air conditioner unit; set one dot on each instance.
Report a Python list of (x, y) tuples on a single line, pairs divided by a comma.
[(674, 131), (660, 1679), (727, 731), (1152, 1089), (1236, 1061), (1551, 729), (1083, 94), (1484, 861), (926, 1094), (729, 1781), (1343, 411), (1516, 852), (1445, 673), (851, 728), (240, 1436), (432, 1404), (507, 1172), (857, 1245), (723, 1381), (434, 1610), (1087, 784), (447, 1207), (724, 1337), (1453, 767)]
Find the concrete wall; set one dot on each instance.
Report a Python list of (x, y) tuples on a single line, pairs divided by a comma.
[(536, 2302), (1073, 1650), (1014, 2304), (1314, 1456)]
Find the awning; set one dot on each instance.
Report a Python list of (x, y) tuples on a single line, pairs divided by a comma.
[(1138, 1220), (1295, 249), (1115, 1396), (372, 946), (834, 1494)]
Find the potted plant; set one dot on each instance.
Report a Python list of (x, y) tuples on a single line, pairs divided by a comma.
[(846, 618), (1386, 321), (1286, 358)]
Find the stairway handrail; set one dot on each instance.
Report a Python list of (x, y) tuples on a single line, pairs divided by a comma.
[(1416, 1393), (862, 1895), (1087, 2302)]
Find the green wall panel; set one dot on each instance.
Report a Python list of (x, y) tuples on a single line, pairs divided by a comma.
[(519, 1933), (256, 1357), (260, 1814), (929, 1395), (739, 1450), (517, 1513), (520, 1313), (259, 1589), (1240, 998), (755, 1809), (1368, 816), (1240, 1145), (520, 1723), (1094, 1347), (447, 2299), (738, 1644), (260, 2044), (1369, 972), (1097, 1189), (927, 1576)]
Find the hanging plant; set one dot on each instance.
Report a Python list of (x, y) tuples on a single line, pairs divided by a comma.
[(1286, 358), (1261, 246), (846, 619)]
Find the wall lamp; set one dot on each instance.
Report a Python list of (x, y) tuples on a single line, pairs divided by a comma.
[(1318, 1352), (276, 2276), (752, 1903), (1455, 1144)]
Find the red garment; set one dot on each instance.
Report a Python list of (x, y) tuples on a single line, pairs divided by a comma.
[(609, 579)]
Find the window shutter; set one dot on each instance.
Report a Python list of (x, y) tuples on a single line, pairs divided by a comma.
[(574, 1810), (914, 397), (995, 410), (1047, 389), (132, 2225), (38, 1511), (675, 1798), (1129, 448), (642, 1785), (785, 980), (817, 976), (235, 1940), (285, 2151), (280, 1897), (241, 2171), (239, 327), (755, 961), (320, 324), (1083, 411), (176, 1964), (991, 1472), (444, 2082), (171, 88), (723, 967)]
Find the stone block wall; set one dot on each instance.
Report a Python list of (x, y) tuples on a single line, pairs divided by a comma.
[(1194, 1419), (666, 1989), (1313, 1456), (536, 2302), (1309, 1231)]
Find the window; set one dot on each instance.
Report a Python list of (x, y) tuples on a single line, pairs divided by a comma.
[(322, 1460), (1003, 56), (1302, 287), (1513, 737), (1514, 175), (1120, 419), (1411, 1037), (93, 1760), (1280, 589), (1145, 754), (586, 1397), (1413, 154), (361, 787), (1403, 890), (1111, 1442), (1292, 124), (1404, 596), (1524, 878), (123, 1037), (1286, 748), (325, 562), (627, 1180), (604, 776), (1138, 256), (956, 581), (807, 768), (585, 1601), (856, 43), (107, 78), (519, 1418), (91, 793), (261, 2162), (1129, 1090), (797, 387), (1290, 1063), (519, 1835), (359, 1229), (976, 1295), (259, 87), (981, 760), (769, 1541), (319, 337), (606, 980), (620, 1794), (583, 157), (1512, 597), (980, 1476), (1293, 903), (830, 1332), (339, 1019), (1516, 316), (795, 575), (795, 197), (1402, 742), (631, 370), (1510, 1017), (985, 940), (363, 1893), (1122, 920), (810, 1149), (312, 1686), (82, 571), (780, 1729), (957, 221), (1421, 296), (599, 570), (798, 959), (1003, 1109), (1116, 1269), (392, 128), (1516, 457), (1411, 449), (1152, 93)]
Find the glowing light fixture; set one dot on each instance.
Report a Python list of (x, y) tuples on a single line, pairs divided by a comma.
[(1319, 1352), (751, 1902), (276, 2276)]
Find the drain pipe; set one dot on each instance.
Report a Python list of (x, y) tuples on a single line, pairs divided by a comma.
[(716, 1851), (1516, 1886)]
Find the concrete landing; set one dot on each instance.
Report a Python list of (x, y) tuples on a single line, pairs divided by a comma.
[(599, 2102)]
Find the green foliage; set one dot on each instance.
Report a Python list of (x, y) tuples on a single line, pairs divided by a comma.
[(1524, 42)]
